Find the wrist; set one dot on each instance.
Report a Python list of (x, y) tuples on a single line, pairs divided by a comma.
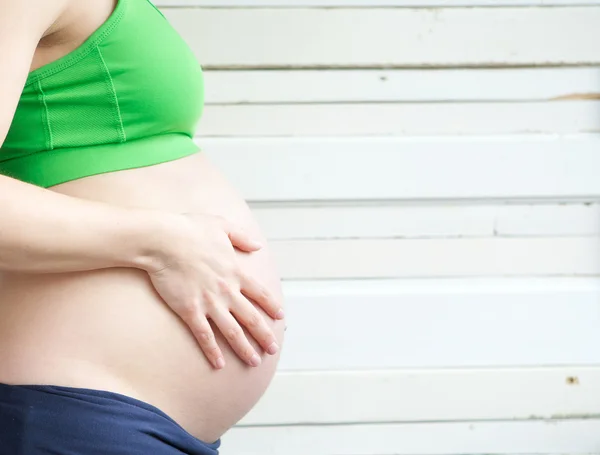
[(152, 241)]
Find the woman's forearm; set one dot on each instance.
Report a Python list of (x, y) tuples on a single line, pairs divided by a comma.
[(45, 232)]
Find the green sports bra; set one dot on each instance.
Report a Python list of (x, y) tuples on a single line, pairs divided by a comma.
[(130, 96)]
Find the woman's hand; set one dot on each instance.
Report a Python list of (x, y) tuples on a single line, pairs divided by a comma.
[(198, 276)]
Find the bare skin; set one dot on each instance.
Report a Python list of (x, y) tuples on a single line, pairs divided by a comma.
[(91, 303)]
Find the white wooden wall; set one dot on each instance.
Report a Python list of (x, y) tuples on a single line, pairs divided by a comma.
[(428, 172)]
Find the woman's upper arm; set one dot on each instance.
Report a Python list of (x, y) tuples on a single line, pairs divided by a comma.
[(22, 25)]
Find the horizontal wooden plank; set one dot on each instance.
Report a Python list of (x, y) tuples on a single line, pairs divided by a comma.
[(338, 86), (423, 168), (289, 221), (401, 258), (310, 398), (386, 324), (476, 438), (354, 37), (549, 220), (370, 3), (564, 117)]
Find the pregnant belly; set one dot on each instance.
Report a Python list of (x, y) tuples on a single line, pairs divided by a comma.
[(109, 330)]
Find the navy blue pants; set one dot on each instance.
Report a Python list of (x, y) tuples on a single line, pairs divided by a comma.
[(49, 420)]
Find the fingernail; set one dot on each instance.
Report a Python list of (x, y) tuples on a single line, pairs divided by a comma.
[(273, 348), (255, 360), (280, 314), (220, 363)]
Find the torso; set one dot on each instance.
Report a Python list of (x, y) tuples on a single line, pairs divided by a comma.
[(108, 329)]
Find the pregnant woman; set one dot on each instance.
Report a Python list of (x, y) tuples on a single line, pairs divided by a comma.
[(140, 313)]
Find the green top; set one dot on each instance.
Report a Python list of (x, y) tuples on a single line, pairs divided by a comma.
[(130, 96)]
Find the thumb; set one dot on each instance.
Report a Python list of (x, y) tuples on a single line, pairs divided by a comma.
[(241, 240)]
